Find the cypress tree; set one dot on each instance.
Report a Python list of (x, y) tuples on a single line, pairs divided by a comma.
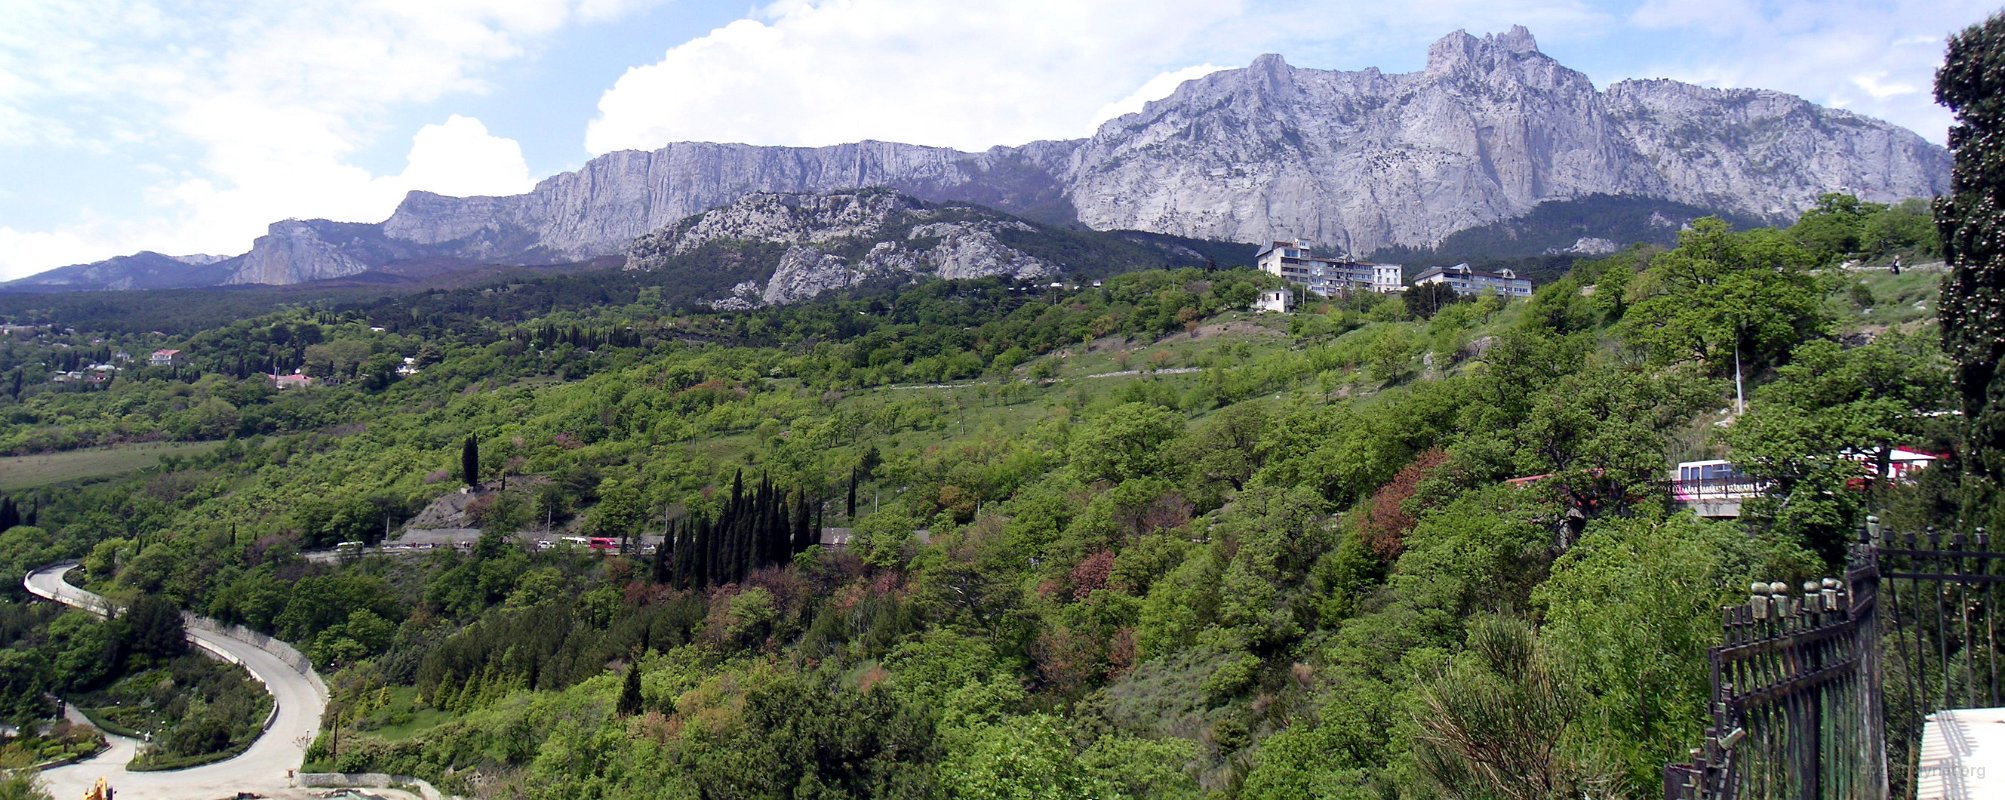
[(630, 700), (1971, 221), (469, 462), (802, 531), (849, 508), (658, 571)]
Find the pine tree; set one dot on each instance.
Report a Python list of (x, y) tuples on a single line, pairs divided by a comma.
[(1971, 220)]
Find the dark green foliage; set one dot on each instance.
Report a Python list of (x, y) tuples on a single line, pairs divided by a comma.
[(153, 627), (1971, 219), (469, 462), (1425, 300), (630, 698)]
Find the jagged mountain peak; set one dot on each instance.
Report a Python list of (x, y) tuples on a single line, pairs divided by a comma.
[(1508, 52)]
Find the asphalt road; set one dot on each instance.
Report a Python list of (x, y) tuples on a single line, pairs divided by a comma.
[(263, 769)]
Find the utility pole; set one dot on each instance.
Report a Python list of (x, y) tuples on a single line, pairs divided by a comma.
[(1739, 398)]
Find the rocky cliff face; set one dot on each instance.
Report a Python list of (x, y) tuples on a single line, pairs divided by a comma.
[(1491, 128), (838, 240), (1352, 160)]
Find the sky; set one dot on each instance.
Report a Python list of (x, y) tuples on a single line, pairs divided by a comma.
[(188, 126)]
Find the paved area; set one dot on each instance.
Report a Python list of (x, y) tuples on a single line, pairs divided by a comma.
[(1962, 755), (265, 769)]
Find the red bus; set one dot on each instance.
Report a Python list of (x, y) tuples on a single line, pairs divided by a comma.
[(604, 544)]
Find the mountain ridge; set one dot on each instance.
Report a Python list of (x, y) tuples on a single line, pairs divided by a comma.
[(1353, 160)]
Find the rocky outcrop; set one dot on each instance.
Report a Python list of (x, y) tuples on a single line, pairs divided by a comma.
[(1354, 161), (839, 240), (294, 251)]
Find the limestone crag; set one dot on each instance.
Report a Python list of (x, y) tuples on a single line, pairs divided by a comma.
[(294, 251), (839, 240), (1767, 153), (805, 272), (1353, 161)]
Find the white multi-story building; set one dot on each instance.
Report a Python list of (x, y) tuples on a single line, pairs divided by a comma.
[(1326, 276), (1467, 281)]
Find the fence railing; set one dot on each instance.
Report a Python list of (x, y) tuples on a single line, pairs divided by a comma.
[(1824, 693), (1942, 648), (1795, 708)]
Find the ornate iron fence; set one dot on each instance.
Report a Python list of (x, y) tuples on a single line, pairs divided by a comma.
[(1942, 648), (1795, 698), (1821, 695)]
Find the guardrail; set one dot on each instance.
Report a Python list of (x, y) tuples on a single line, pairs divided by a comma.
[(284, 652), (369, 780)]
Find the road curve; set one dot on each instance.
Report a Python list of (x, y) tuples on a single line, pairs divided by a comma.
[(266, 768)]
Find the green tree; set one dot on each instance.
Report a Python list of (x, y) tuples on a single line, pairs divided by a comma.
[(1835, 227), (1829, 420), (1600, 434), (619, 513), (1722, 295), (153, 627), (630, 698), (1128, 441), (1630, 612), (1971, 219), (1503, 721), (21, 784)]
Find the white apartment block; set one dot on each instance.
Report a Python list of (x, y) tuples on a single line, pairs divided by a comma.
[(1326, 276)]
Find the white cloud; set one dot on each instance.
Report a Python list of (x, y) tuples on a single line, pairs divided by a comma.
[(460, 158), (456, 157), (967, 75), (1156, 88), (243, 113)]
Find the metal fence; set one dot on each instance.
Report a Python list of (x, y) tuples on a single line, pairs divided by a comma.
[(1795, 701), (1822, 694), (1942, 648)]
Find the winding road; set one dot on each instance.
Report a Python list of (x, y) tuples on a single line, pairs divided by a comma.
[(265, 769)]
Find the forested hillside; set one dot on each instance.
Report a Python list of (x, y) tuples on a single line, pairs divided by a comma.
[(1117, 541)]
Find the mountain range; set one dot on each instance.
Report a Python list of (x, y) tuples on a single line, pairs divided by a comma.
[(1355, 161)]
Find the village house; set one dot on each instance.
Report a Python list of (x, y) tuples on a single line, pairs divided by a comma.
[(293, 381), (1275, 300), (165, 358)]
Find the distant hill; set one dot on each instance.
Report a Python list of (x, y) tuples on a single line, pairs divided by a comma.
[(142, 270)]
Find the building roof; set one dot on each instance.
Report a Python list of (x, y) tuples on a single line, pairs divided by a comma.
[(1465, 271), (169, 353)]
